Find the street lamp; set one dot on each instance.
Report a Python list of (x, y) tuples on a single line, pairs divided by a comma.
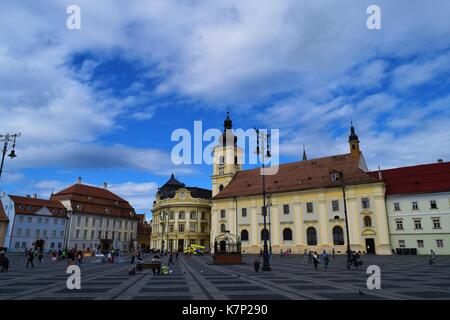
[(349, 253), (264, 138), (6, 138)]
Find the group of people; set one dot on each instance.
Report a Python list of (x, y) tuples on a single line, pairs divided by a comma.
[(315, 258), (287, 252)]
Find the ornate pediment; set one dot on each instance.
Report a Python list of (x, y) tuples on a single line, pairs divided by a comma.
[(366, 211), (368, 231)]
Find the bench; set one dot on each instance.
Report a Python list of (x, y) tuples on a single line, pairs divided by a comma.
[(151, 265)]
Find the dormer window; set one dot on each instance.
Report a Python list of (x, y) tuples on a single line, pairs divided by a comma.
[(89, 198), (79, 207), (107, 210), (335, 176)]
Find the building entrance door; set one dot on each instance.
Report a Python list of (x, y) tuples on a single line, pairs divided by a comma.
[(370, 245), (180, 245)]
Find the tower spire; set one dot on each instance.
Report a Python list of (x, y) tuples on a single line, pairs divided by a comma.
[(353, 140), (304, 154)]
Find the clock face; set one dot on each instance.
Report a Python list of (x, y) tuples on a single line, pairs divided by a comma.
[(182, 195)]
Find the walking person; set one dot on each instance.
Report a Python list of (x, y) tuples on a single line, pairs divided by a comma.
[(310, 257), (170, 259), (30, 258), (133, 256), (333, 253), (326, 259), (40, 256), (316, 261), (432, 258), (176, 255), (4, 262)]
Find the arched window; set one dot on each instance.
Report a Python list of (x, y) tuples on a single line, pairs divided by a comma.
[(338, 236), (244, 235), (222, 227), (221, 187), (287, 234), (267, 233), (311, 236), (367, 221)]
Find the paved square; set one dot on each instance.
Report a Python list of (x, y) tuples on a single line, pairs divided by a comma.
[(195, 278)]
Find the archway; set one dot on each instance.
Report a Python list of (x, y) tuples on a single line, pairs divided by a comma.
[(311, 236)]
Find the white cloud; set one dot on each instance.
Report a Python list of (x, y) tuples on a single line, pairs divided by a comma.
[(420, 72), (219, 52)]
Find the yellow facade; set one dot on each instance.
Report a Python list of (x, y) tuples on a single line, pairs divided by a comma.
[(308, 219), (3, 227), (323, 219), (180, 221)]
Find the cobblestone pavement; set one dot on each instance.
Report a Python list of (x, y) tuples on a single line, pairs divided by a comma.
[(194, 278)]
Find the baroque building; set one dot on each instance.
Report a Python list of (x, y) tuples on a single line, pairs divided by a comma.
[(305, 202), (33, 223), (181, 216), (144, 231), (418, 207), (99, 220)]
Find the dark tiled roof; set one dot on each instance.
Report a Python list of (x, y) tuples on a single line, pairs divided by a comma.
[(200, 192), (172, 185), (3, 216), (301, 175), (426, 178), (27, 205)]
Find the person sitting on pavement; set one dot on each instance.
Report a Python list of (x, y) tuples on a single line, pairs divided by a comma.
[(157, 264)]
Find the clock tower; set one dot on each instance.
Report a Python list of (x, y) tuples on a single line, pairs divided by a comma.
[(227, 158)]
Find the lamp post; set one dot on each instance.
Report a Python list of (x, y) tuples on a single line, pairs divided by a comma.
[(67, 228), (269, 205), (349, 253), (6, 138), (264, 138)]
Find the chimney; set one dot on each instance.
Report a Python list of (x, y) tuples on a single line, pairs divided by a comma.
[(380, 175), (35, 195), (79, 180), (105, 185), (440, 161)]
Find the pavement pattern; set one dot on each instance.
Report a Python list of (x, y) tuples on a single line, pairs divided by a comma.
[(195, 278)]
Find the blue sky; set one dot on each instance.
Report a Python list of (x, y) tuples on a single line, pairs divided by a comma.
[(103, 101)]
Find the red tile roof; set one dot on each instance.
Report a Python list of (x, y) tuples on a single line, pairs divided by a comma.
[(425, 178), (85, 190), (3, 216), (27, 205), (94, 200), (301, 175)]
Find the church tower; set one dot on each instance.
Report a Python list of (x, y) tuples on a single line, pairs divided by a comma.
[(354, 142), (227, 158)]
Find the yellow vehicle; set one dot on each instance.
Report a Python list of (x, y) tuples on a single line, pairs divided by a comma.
[(195, 249)]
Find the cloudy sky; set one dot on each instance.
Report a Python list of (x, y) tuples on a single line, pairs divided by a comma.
[(103, 101)]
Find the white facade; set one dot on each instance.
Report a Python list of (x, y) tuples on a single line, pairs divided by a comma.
[(420, 221), (86, 231), (25, 229)]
